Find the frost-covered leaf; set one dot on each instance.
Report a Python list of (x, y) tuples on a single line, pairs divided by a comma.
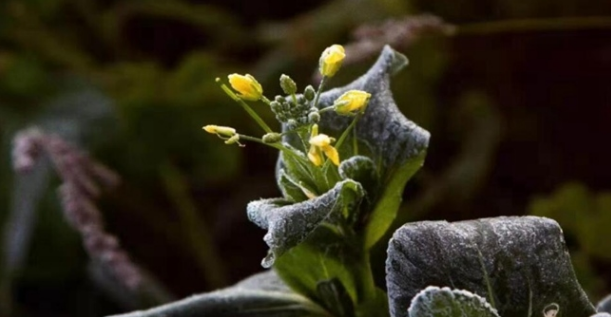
[(290, 223), (521, 260), (445, 302), (261, 295), (395, 143)]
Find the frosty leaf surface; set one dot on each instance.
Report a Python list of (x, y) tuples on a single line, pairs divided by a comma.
[(288, 224), (510, 261), (445, 302), (261, 295)]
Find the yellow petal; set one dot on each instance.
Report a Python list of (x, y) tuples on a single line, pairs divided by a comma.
[(320, 140), (315, 156), (332, 154)]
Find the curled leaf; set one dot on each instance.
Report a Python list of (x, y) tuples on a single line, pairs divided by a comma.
[(445, 302), (289, 224)]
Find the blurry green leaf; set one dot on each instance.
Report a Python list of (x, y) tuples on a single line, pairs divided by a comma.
[(581, 213), (445, 302), (23, 74)]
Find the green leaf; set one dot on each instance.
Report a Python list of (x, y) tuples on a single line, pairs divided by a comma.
[(289, 224), (387, 206), (327, 254), (258, 296), (335, 297), (363, 170), (514, 262), (291, 188), (445, 302)]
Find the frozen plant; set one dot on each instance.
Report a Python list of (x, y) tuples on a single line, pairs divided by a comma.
[(345, 157)]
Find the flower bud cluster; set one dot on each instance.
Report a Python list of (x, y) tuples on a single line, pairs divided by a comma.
[(297, 112)]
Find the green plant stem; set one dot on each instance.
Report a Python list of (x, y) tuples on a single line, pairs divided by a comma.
[(246, 107), (278, 146), (321, 85), (344, 135), (528, 25), (196, 230)]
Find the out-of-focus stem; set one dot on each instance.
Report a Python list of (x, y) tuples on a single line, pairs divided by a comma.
[(528, 25), (196, 230)]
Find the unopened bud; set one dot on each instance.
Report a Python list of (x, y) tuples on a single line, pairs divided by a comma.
[(272, 137), (288, 85), (313, 117), (309, 93), (331, 60)]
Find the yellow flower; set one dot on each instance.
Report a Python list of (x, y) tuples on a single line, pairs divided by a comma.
[(321, 142), (220, 130), (331, 60), (247, 86), (352, 102)]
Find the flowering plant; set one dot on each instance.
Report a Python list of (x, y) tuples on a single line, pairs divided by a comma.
[(345, 157)]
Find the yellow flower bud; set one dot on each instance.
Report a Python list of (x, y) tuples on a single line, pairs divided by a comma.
[(352, 102), (220, 130), (331, 60), (247, 86)]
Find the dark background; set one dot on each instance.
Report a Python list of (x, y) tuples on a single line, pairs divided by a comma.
[(517, 99)]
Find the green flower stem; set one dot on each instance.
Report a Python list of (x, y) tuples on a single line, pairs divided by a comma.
[(344, 135), (294, 98), (355, 143), (264, 99), (278, 146), (195, 229), (326, 109), (246, 107), (321, 85)]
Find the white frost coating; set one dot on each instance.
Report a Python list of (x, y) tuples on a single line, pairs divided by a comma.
[(520, 255), (445, 302), (288, 225)]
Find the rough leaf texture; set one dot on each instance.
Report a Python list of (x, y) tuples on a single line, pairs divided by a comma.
[(445, 302), (261, 295), (288, 225), (523, 258)]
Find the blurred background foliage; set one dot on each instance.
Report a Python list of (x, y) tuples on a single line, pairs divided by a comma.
[(517, 99)]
